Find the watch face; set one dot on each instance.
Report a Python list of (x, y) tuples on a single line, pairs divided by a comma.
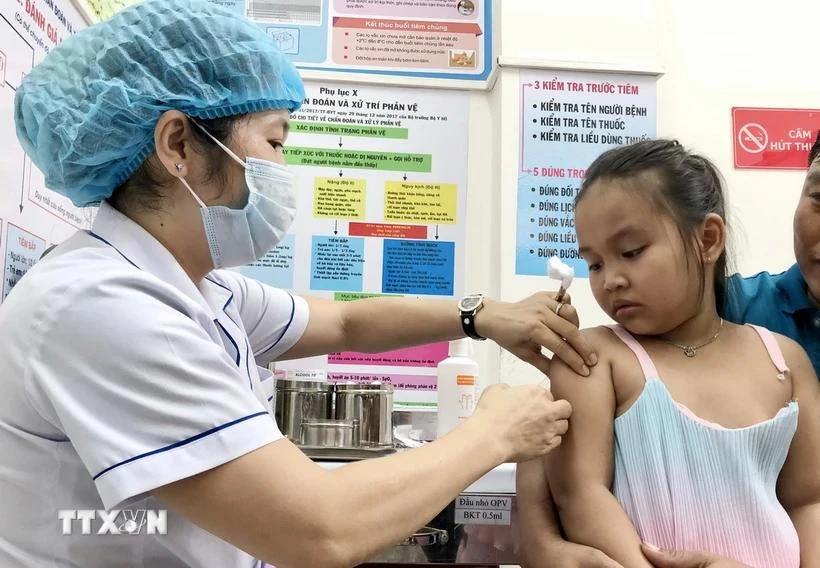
[(470, 303)]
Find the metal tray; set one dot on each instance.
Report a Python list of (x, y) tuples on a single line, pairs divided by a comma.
[(344, 454)]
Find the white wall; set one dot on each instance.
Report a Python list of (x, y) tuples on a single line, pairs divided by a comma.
[(714, 55), (766, 58)]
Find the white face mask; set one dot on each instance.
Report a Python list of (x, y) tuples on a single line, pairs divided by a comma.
[(240, 236)]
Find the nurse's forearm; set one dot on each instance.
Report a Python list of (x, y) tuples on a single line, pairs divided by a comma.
[(385, 500), (278, 506), (381, 324), (375, 325)]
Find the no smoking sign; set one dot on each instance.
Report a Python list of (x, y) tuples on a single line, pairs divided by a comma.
[(753, 138), (773, 138)]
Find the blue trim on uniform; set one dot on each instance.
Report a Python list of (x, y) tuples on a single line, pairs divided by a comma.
[(227, 303), (230, 299), (248, 361), (284, 331), (235, 345), (181, 443), (99, 238)]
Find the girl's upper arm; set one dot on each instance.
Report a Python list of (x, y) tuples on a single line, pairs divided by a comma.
[(585, 455), (799, 481)]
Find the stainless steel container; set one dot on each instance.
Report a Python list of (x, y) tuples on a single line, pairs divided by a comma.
[(372, 406), (412, 550), (297, 400), (329, 433)]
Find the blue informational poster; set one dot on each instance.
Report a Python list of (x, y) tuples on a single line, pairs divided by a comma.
[(418, 267), (568, 118), (434, 39), (23, 249), (276, 267), (337, 264)]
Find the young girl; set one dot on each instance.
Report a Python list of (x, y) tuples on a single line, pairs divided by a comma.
[(691, 432)]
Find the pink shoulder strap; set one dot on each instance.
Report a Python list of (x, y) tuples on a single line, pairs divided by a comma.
[(647, 366), (772, 347)]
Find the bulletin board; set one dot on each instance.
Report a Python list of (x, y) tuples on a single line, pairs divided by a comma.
[(435, 43), (567, 119)]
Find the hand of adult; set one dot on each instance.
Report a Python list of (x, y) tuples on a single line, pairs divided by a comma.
[(687, 559), (524, 327), (524, 421)]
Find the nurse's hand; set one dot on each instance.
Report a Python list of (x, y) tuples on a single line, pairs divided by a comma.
[(524, 327), (524, 421), (689, 559)]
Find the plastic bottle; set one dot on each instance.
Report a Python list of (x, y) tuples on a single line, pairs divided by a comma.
[(457, 386)]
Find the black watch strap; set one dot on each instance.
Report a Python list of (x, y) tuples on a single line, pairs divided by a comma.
[(468, 325)]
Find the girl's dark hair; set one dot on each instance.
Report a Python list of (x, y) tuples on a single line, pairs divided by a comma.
[(144, 188), (690, 188)]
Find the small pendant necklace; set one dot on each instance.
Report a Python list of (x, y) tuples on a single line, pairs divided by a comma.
[(692, 350)]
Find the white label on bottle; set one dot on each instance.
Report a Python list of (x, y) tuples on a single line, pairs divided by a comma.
[(466, 395), (473, 509)]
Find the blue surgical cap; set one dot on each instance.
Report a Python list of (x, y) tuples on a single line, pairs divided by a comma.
[(86, 114)]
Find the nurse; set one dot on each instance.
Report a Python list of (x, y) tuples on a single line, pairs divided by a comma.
[(129, 357)]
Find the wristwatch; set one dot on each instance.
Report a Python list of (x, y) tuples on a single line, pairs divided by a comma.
[(468, 307)]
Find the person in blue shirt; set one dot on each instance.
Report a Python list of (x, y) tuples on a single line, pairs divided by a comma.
[(787, 303)]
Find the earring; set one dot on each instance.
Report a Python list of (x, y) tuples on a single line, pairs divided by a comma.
[(179, 167)]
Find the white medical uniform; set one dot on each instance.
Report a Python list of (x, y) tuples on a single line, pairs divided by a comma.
[(119, 375)]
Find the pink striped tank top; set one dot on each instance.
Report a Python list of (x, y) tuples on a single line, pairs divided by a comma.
[(687, 483)]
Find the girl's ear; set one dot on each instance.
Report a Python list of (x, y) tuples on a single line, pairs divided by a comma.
[(711, 237)]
